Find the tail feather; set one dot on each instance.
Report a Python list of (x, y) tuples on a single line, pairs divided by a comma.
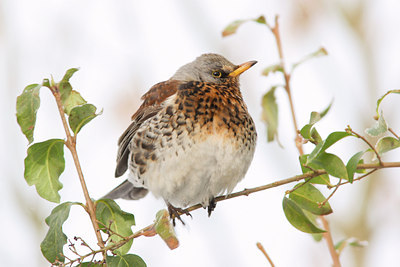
[(128, 191)]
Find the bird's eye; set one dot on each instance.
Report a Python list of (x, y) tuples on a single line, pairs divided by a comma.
[(216, 74)]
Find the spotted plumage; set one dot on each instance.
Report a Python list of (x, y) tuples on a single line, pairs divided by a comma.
[(192, 138)]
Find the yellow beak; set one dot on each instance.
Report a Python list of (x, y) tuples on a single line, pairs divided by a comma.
[(242, 68)]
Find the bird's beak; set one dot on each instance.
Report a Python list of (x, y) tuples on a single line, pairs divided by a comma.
[(242, 68)]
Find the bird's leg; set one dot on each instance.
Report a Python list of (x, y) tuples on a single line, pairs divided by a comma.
[(176, 213), (211, 206)]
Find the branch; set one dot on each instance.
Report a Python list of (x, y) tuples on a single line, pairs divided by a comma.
[(71, 145), (357, 179), (328, 237), (296, 178), (150, 231), (286, 75)]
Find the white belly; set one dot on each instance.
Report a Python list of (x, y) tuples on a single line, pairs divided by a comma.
[(193, 173)]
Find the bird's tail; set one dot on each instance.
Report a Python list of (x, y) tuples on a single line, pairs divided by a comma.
[(127, 190)]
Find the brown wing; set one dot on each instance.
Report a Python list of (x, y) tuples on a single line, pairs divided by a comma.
[(151, 106)]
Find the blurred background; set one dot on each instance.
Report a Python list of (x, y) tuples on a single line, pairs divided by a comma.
[(124, 47)]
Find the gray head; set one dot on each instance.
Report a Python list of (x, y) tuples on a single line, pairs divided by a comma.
[(212, 68)]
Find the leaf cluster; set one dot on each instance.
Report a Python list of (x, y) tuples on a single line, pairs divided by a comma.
[(44, 165), (304, 202)]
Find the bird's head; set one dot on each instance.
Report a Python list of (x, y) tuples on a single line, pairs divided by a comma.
[(212, 68)]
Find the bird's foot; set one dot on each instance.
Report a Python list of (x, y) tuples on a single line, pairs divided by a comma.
[(175, 213), (211, 206)]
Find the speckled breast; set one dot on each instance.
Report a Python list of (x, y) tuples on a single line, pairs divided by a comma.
[(199, 145)]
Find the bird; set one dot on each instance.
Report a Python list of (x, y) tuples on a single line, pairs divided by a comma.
[(191, 140)]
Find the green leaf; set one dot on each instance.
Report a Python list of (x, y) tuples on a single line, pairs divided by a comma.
[(165, 229), (313, 218), (315, 137), (69, 74), (333, 138), (306, 131), (339, 246), (332, 164), (270, 114), (386, 144), (329, 141), (111, 216), (361, 162), (326, 110), (308, 197), (317, 116), (320, 52), (27, 106), (314, 117), (73, 100), (380, 99), (357, 243), (46, 83), (321, 179), (379, 128), (261, 20), (295, 215), (80, 116), (43, 167), (53, 243), (64, 86), (272, 69), (232, 27), (128, 260), (352, 165), (310, 133), (317, 237)]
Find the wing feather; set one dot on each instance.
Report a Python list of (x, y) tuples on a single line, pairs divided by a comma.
[(152, 104)]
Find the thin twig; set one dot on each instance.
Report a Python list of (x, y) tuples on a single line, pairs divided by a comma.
[(307, 180), (83, 242), (286, 75), (348, 129), (111, 232), (358, 178), (71, 145), (71, 247), (329, 197), (143, 232), (391, 130), (260, 247), (328, 237)]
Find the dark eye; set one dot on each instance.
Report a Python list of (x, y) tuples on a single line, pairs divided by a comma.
[(216, 74)]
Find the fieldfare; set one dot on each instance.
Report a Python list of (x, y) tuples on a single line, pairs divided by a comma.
[(191, 140)]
